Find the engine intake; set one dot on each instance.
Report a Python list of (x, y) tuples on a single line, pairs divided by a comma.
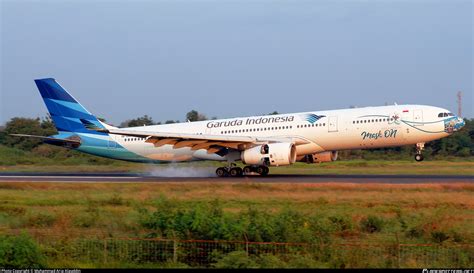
[(273, 154)]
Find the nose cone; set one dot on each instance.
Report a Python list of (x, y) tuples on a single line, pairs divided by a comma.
[(453, 124)]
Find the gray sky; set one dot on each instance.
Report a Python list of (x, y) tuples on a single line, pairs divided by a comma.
[(124, 59)]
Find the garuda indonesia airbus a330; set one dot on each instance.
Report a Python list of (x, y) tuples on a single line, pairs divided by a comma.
[(258, 141)]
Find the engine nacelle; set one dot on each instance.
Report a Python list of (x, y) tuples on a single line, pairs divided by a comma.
[(273, 154), (320, 157)]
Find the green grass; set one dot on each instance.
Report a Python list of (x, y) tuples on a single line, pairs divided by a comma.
[(58, 160), (378, 214), (441, 167), (114, 208)]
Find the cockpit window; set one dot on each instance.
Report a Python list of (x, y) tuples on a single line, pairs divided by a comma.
[(440, 115)]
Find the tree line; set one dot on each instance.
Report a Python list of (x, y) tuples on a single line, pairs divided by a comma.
[(459, 144)]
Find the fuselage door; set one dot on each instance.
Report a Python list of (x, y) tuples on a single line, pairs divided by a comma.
[(418, 117), (332, 124)]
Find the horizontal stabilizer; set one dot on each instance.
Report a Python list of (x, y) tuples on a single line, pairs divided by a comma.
[(72, 143)]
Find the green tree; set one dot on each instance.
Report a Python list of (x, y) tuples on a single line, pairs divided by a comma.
[(194, 115), (20, 252), (48, 125), (141, 121), (273, 113), (29, 126), (171, 121)]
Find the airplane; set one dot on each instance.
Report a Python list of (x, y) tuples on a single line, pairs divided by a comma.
[(259, 142)]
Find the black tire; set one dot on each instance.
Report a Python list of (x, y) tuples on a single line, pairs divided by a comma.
[(419, 157), (234, 172), (261, 170), (266, 170), (241, 172), (247, 170), (221, 172)]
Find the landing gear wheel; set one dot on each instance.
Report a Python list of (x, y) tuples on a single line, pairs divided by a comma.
[(419, 150), (234, 172), (419, 157), (247, 170), (266, 170), (261, 170), (221, 172)]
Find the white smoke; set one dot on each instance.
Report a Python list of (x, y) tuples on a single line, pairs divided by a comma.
[(175, 170)]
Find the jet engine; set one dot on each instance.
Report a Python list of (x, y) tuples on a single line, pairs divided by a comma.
[(320, 157), (273, 154)]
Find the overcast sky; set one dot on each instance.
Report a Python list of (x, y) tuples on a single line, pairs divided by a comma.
[(124, 59)]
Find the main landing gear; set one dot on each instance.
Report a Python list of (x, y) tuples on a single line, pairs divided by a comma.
[(419, 149), (234, 171)]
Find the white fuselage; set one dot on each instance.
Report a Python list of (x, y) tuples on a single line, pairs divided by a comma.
[(333, 130)]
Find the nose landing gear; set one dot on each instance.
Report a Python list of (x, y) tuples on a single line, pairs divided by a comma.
[(419, 149)]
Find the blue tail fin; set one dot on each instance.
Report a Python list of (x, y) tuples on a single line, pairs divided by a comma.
[(68, 114)]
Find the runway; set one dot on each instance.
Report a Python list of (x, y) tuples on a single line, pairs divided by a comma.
[(318, 178)]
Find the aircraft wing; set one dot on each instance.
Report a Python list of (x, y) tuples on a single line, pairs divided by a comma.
[(212, 143)]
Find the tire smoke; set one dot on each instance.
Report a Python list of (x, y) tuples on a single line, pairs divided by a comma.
[(175, 170)]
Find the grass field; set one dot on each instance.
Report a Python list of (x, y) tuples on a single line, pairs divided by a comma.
[(376, 214), (64, 208), (439, 216), (338, 167), (54, 159)]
